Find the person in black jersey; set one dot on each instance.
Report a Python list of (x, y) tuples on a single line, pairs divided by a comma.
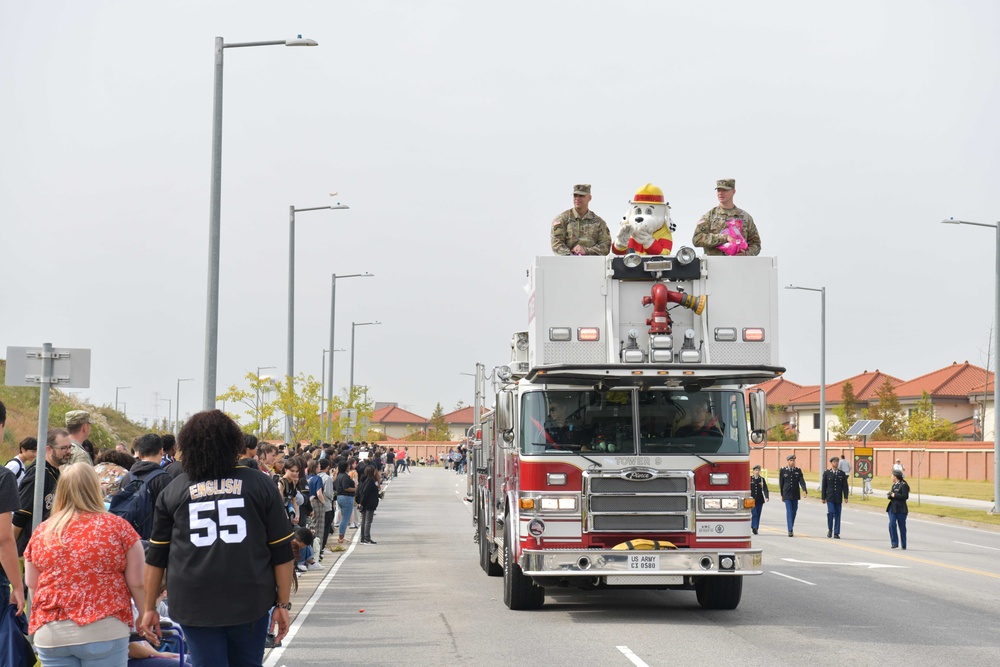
[(222, 534)]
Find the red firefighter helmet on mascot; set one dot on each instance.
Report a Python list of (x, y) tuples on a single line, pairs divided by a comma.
[(647, 228)]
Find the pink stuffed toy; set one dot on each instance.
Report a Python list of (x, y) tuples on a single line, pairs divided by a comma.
[(734, 230)]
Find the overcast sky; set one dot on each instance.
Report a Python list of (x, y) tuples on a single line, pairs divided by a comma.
[(455, 131)]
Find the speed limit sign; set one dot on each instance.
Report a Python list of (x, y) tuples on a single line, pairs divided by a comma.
[(863, 462)]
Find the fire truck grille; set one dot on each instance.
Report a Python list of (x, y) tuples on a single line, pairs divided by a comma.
[(661, 504), (619, 485), (650, 522), (638, 504)]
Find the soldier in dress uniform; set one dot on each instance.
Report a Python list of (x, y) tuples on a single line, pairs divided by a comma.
[(760, 495), (580, 231), (834, 492), (708, 232), (790, 481)]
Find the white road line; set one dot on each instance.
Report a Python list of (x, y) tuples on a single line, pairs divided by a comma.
[(633, 658), (969, 544), (276, 653), (801, 581)]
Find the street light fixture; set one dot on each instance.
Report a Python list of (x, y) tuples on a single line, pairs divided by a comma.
[(355, 325), (822, 371), (333, 319), (116, 396), (215, 215), (996, 361), (177, 405), (291, 299)]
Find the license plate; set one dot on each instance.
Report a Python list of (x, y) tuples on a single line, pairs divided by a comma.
[(644, 562)]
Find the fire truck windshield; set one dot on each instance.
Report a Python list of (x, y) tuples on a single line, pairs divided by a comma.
[(668, 422)]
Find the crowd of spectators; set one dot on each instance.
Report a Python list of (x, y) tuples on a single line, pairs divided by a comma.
[(322, 487)]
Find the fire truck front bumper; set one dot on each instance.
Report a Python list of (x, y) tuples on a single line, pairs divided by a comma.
[(620, 566)]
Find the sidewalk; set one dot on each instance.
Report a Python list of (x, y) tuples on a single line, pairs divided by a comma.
[(915, 498)]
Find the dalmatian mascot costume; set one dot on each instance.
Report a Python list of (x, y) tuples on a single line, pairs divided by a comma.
[(647, 229)]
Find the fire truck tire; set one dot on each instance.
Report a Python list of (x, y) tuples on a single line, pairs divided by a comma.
[(490, 567), (519, 592), (719, 592)]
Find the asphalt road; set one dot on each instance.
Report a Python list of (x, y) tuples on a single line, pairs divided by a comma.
[(418, 597)]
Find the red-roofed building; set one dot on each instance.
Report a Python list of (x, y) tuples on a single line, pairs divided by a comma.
[(395, 422), (950, 389), (780, 392), (806, 404), (459, 422)]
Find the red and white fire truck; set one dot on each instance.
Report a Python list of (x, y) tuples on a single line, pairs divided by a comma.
[(617, 450)]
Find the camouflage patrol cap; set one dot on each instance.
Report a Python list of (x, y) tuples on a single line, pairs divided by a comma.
[(725, 184), (582, 189), (76, 418)]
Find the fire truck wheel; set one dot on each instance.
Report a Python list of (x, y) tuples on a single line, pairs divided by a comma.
[(719, 592), (518, 590), (491, 568)]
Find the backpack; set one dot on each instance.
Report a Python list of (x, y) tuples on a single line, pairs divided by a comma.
[(20, 468), (134, 503)]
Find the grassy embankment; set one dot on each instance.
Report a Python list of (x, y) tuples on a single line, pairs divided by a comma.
[(109, 426)]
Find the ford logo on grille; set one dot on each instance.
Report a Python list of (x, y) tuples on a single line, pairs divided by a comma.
[(639, 475)]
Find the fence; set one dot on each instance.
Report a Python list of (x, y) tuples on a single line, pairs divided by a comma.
[(938, 460)]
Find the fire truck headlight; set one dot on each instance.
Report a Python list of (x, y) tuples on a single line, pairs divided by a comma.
[(503, 372), (550, 503), (521, 341), (536, 527), (712, 503), (568, 504), (632, 260), (731, 503), (718, 478)]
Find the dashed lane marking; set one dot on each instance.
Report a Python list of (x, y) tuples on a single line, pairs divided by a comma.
[(786, 576), (633, 658)]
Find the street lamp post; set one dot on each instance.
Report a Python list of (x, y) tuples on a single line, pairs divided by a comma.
[(290, 371), (355, 325), (257, 396), (822, 371), (333, 319), (996, 361), (215, 216), (116, 396), (177, 405)]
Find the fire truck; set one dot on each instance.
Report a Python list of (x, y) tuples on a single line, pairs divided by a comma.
[(616, 453)]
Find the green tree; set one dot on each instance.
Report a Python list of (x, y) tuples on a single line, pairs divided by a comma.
[(459, 406), (777, 430), (923, 426), (300, 397), (261, 414), (846, 412), (438, 428), (889, 411)]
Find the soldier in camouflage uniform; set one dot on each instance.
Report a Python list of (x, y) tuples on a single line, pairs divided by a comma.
[(708, 233), (580, 231)]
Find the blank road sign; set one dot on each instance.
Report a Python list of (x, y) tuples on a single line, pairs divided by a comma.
[(70, 367)]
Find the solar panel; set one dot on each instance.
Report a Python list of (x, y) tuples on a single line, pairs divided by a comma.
[(864, 427)]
